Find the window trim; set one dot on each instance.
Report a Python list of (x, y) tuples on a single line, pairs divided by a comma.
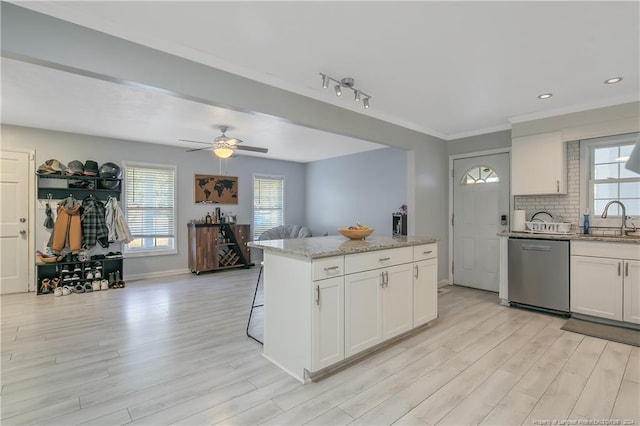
[(586, 183), (159, 166), (284, 192), (480, 180)]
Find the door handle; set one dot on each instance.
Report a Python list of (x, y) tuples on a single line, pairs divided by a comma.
[(619, 268), (557, 186), (626, 269), (331, 268), (317, 295), (536, 248), (23, 232), (384, 259), (417, 271), (386, 278), (382, 279)]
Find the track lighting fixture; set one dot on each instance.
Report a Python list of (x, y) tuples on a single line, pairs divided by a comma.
[(348, 83)]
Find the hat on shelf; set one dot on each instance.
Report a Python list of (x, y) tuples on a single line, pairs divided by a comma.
[(75, 168), (90, 168), (52, 167)]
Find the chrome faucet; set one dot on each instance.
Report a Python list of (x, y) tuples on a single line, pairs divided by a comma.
[(623, 227)]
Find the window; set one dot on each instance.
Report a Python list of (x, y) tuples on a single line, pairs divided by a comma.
[(479, 174), (268, 203), (609, 179), (150, 208)]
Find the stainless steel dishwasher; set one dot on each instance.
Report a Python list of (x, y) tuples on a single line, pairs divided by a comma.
[(539, 274)]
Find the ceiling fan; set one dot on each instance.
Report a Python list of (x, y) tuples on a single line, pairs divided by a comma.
[(224, 146)]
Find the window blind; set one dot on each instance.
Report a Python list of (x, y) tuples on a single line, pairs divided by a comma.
[(150, 202), (268, 203)]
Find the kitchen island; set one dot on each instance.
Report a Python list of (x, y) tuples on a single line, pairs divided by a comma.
[(329, 300)]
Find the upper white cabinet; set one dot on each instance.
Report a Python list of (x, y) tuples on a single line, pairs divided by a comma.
[(539, 165)]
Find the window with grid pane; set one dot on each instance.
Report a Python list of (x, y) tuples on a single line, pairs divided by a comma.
[(610, 180), (268, 203), (150, 207)]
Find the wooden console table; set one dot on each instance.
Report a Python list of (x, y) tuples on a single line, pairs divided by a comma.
[(218, 246)]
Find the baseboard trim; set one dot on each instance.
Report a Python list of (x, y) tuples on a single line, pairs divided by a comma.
[(158, 274), (443, 283)]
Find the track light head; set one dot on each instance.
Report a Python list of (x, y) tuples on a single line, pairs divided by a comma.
[(338, 90), (357, 96), (325, 81), (365, 103)]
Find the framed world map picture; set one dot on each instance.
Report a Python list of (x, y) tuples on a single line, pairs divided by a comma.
[(211, 189)]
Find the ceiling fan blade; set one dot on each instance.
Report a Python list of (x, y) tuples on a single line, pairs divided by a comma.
[(199, 149), (187, 140), (251, 148)]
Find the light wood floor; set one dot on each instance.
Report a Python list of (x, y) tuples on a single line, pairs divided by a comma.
[(173, 351)]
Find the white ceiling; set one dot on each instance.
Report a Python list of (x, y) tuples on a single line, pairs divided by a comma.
[(448, 69)]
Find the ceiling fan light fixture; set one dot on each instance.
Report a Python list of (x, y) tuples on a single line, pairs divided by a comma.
[(222, 152)]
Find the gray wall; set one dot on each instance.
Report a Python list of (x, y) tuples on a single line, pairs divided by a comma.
[(365, 187), (68, 146), (484, 142)]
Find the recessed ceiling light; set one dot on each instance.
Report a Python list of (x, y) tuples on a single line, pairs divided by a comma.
[(545, 96), (613, 80)]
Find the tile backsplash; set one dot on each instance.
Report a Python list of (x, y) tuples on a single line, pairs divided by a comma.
[(564, 208)]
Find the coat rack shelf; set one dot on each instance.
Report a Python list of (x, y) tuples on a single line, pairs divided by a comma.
[(58, 187)]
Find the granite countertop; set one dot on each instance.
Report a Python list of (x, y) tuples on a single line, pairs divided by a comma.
[(572, 237), (337, 245)]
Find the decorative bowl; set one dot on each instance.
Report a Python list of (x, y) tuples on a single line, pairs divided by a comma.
[(356, 234)]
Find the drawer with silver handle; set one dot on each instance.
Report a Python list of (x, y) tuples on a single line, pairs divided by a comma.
[(328, 267), (424, 252), (359, 262)]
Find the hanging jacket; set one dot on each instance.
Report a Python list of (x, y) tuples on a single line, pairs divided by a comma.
[(118, 227), (94, 228), (67, 231)]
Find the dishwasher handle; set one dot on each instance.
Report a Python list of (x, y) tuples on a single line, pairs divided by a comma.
[(535, 247)]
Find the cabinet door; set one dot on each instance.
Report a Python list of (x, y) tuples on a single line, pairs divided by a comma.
[(203, 251), (425, 291), (362, 311), (631, 293), (328, 323), (538, 165), (397, 301), (596, 286)]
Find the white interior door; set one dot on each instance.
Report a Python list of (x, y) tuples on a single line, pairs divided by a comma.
[(480, 203), (14, 226)]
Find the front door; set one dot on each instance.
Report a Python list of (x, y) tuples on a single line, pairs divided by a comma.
[(480, 212), (14, 226)]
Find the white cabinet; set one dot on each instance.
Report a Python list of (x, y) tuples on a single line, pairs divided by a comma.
[(425, 284), (397, 301), (327, 323), (539, 164), (605, 280), (631, 291), (378, 304), (318, 312), (363, 310), (425, 291), (596, 287)]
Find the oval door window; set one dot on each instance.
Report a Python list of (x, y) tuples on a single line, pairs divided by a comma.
[(480, 174)]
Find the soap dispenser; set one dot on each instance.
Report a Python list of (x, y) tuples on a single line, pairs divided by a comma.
[(585, 223)]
